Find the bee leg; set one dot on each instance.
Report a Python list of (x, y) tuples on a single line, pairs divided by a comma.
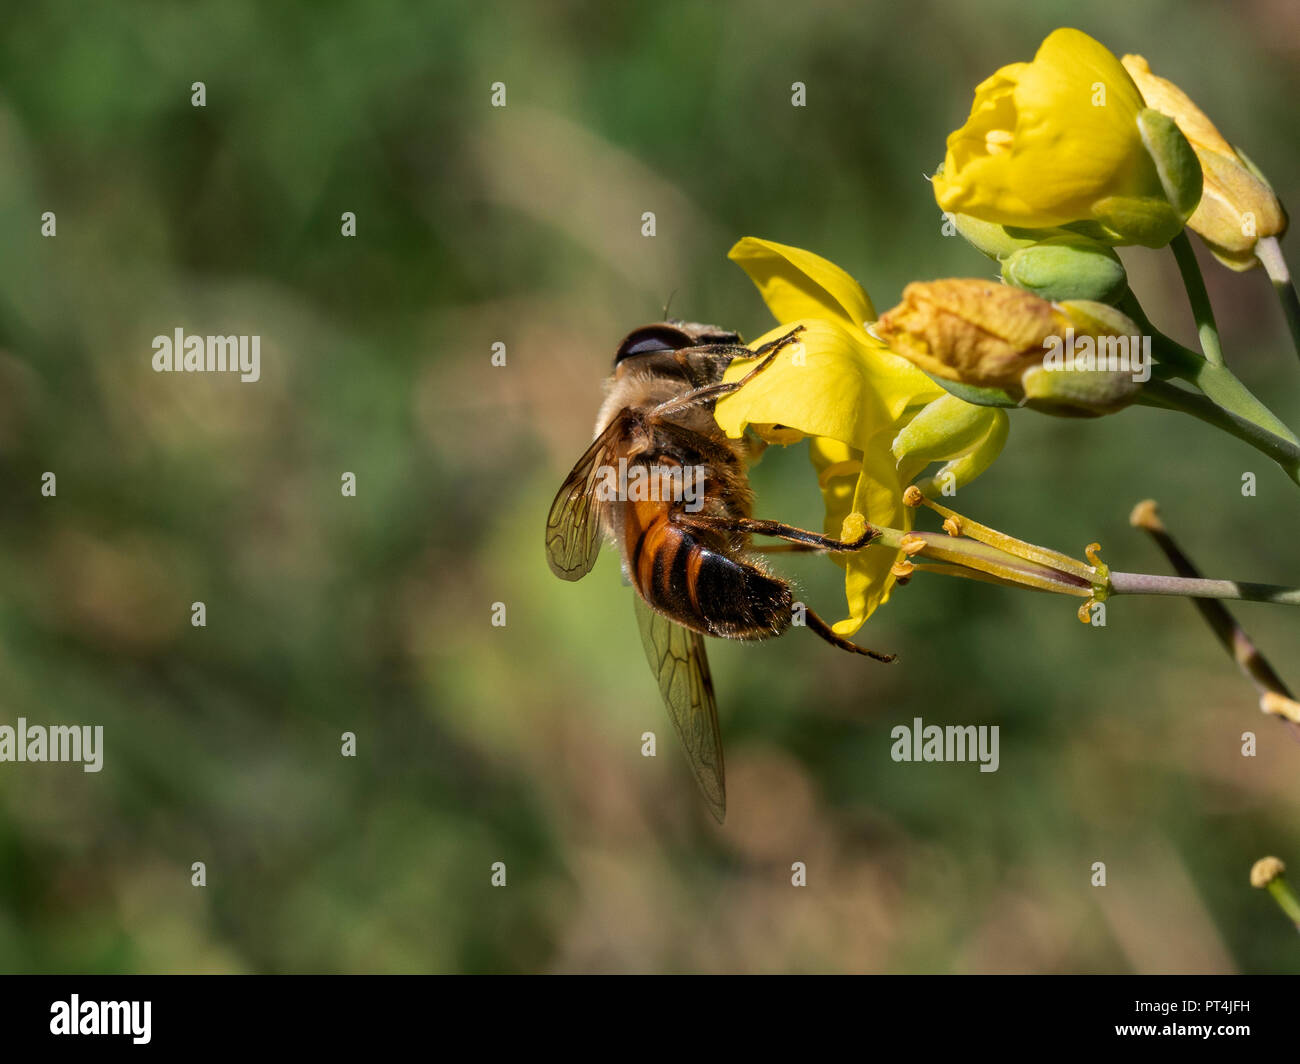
[(749, 526), (709, 392), (788, 548), (821, 628), (800, 539)]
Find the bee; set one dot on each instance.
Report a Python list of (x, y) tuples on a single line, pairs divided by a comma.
[(664, 483)]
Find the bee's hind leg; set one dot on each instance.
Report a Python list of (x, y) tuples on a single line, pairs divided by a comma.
[(800, 539), (824, 630)]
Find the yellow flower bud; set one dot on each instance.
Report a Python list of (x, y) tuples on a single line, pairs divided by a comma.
[(1237, 205), (1063, 141)]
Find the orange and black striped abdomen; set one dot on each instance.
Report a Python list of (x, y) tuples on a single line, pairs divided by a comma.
[(681, 575)]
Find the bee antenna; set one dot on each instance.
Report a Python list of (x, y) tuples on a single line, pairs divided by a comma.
[(669, 303)]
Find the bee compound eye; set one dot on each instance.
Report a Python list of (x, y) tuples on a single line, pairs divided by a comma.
[(645, 347), (650, 340)]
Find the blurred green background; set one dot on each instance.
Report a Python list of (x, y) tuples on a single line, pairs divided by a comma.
[(372, 614)]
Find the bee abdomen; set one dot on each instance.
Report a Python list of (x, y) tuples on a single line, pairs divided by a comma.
[(739, 600), (705, 590)]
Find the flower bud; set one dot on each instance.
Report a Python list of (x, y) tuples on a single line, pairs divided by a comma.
[(944, 427), (1078, 358), (1097, 367), (1237, 206), (1067, 268), (991, 239), (976, 332)]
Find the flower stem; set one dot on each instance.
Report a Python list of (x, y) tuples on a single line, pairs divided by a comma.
[(1269, 253), (1219, 384), (1202, 311), (1196, 587), (1283, 450), (1286, 900), (1215, 381)]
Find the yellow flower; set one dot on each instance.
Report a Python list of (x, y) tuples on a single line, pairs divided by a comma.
[(1238, 207), (1067, 139), (856, 400), (1076, 357)]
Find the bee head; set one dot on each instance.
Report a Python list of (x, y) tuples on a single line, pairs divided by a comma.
[(671, 335)]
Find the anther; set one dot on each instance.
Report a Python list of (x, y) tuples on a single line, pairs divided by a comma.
[(912, 544)]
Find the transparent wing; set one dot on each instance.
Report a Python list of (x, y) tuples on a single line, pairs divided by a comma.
[(573, 525), (678, 660)]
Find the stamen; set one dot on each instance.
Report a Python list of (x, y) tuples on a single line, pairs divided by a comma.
[(997, 141), (1280, 706), (913, 496)]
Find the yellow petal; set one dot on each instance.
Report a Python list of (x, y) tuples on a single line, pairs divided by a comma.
[(838, 466), (878, 496), (797, 284), (1164, 96), (834, 382)]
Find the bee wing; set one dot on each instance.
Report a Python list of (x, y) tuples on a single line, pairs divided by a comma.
[(573, 525), (678, 660)]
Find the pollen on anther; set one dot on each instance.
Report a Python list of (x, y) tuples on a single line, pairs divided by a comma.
[(912, 496), (998, 140), (902, 570), (952, 526), (912, 544)]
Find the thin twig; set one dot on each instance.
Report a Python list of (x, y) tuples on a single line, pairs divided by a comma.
[(1275, 697)]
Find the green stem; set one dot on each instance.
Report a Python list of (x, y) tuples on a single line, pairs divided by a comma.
[(1284, 450), (1195, 587), (1202, 311), (1269, 252), (1286, 901), (1217, 382)]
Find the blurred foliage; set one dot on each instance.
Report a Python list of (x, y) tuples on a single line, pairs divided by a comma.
[(477, 744)]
